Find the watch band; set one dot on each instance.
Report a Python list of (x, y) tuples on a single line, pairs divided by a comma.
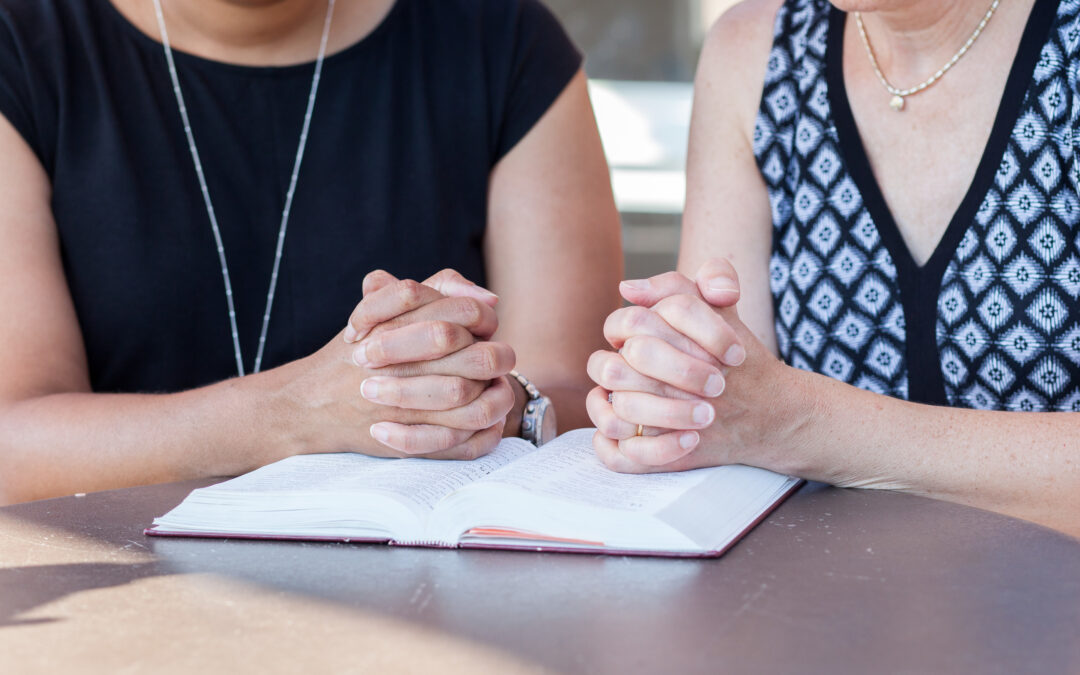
[(532, 417)]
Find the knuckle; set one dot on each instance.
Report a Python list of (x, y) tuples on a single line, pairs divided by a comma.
[(609, 425), (490, 359), (727, 333), (636, 349), (611, 373), (374, 277), (408, 292), (471, 450), (468, 311), (637, 319), (609, 460), (680, 305), (484, 359), (686, 372), (484, 413), (442, 334), (443, 439), (457, 391)]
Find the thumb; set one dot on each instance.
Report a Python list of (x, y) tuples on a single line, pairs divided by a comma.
[(451, 284), (718, 283), (648, 292), (377, 280)]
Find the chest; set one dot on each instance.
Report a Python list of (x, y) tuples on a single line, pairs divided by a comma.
[(379, 187), (924, 158)]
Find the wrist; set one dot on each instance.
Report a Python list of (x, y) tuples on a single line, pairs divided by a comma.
[(513, 418), (788, 444), (281, 405)]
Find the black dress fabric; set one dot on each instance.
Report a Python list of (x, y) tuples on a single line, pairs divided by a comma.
[(992, 320), (408, 125)]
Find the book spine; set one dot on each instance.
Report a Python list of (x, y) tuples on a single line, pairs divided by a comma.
[(424, 543)]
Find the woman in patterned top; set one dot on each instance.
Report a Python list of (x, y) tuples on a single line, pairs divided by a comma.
[(913, 256)]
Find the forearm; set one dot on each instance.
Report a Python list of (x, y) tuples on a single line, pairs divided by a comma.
[(80, 442), (1023, 464)]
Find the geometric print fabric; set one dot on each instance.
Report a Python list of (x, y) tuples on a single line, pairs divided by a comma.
[(1007, 319), (833, 282), (1009, 312)]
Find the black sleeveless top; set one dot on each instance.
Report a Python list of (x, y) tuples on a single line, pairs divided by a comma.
[(408, 124), (992, 320)]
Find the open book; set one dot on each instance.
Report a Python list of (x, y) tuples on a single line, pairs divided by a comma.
[(557, 497)]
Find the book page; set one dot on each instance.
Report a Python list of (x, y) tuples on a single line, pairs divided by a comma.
[(420, 481), (568, 468), (426, 481)]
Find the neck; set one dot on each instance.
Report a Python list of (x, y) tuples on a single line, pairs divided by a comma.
[(245, 24), (257, 32), (912, 39)]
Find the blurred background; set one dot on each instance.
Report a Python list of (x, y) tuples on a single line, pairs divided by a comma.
[(640, 56)]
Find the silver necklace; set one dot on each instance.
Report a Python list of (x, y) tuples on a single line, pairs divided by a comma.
[(897, 100), (206, 192)]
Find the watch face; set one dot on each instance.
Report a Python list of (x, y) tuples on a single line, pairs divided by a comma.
[(549, 427)]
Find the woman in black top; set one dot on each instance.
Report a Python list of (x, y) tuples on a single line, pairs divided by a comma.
[(443, 134)]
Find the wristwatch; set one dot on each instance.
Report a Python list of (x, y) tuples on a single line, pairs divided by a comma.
[(538, 419)]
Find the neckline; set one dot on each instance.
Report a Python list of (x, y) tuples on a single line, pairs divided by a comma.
[(920, 286), (1036, 30), (145, 39)]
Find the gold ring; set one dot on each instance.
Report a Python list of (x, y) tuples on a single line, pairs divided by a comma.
[(640, 430)]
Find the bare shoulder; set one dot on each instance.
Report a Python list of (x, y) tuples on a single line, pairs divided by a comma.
[(735, 57)]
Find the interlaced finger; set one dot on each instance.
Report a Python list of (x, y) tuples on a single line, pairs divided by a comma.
[(425, 392), (423, 341)]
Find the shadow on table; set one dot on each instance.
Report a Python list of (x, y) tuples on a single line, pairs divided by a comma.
[(23, 589)]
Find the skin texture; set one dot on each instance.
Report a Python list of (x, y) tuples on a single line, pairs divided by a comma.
[(774, 416), (423, 369)]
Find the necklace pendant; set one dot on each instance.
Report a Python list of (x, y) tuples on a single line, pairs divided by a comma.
[(897, 103)]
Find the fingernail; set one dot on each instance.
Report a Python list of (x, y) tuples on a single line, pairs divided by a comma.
[(689, 440), (637, 284), (735, 355), (359, 355), (722, 284), (369, 389), (351, 333), (486, 293), (714, 385), (703, 413), (380, 433)]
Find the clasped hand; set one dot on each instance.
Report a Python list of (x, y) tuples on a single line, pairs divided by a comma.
[(414, 373), (688, 371)]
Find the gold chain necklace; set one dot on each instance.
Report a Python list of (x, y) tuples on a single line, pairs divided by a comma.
[(897, 100)]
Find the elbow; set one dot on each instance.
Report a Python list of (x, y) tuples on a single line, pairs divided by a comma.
[(14, 474), (14, 486), (9, 488)]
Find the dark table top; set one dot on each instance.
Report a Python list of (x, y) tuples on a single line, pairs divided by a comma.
[(837, 581)]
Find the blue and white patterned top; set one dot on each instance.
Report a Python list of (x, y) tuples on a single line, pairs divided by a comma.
[(992, 320)]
